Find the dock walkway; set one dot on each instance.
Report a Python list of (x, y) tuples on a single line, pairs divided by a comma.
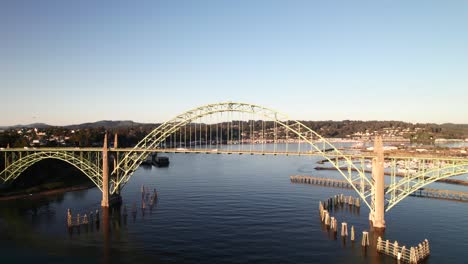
[(423, 192)]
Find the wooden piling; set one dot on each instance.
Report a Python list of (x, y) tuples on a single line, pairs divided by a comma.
[(344, 229), (321, 209), (412, 256), (403, 252), (334, 221), (327, 219), (324, 216), (352, 233), (422, 255), (426, 246), (69, 218), (395, 249), (365, 239)]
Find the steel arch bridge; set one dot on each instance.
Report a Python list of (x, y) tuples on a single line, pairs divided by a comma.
[(431, 171), (21, 161), (133, 159), (351, 167)]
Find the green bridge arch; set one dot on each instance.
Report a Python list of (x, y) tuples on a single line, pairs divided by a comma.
[(133, 159), (403, 188), (128, 163), (15, 169)]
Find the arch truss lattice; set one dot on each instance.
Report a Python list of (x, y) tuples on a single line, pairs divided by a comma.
[(411, 174), (174, 128), (199, 129), (89, 163)]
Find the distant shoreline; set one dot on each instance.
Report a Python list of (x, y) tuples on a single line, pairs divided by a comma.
[(46, 192)]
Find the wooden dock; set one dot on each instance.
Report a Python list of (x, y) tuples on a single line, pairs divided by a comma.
[(423, 192), (398, 174)]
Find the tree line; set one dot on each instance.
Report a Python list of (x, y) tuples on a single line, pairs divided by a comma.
[(129, 136)]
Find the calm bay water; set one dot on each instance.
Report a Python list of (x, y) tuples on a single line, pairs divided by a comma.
[(223, 209)]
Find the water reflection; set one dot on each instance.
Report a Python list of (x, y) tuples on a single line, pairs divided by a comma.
[(106, 233), (106, 219), (146, 167), (242, 212), (110, 219)]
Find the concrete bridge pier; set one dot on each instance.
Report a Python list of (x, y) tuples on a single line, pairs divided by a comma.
[(105, 174), (377, 215)]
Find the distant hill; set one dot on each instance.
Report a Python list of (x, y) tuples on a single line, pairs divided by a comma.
[(455, 130), (455, 126), (108, 124), (33, 125), (325, 128)]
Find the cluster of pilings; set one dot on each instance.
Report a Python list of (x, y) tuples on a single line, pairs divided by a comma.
[(112, 218), (331, 223), (340, 200), (401, 253), (90, 220), (147, 198), (82, 220)]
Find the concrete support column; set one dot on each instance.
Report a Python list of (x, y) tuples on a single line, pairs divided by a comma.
[(378, 215), (105, 174), (116, 161), (116, 140)]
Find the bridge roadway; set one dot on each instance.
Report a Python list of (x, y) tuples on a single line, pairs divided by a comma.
[(240, 152)]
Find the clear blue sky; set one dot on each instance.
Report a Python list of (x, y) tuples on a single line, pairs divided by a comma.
[(64, 62)]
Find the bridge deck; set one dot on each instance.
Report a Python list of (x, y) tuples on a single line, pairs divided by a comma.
[(239, 152)]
